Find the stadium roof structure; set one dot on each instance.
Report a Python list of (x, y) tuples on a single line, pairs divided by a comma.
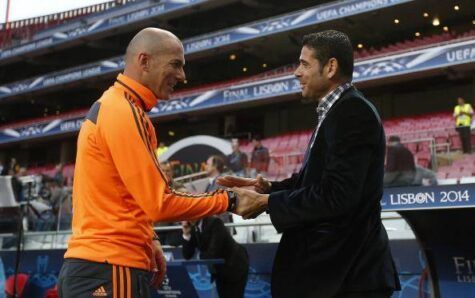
[(106, 34)]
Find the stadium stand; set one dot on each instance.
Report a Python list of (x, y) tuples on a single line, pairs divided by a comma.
[(414, 44), (419, 134), (21, 31), (287, 70)]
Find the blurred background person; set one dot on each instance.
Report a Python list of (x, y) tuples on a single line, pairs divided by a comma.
[(214, 169), (260, 158), (237, 160), (172, 237), (400, 166), (12, 168), (58, 175), (213, 241), (162, 148), (167, 168), (463, 113), (424, 176)]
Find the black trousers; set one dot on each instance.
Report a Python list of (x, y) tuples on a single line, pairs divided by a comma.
[(374, 294), (465, 137), (234, 289), (80, 278)]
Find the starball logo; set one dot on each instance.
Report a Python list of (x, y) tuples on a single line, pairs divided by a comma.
[(464, 269)]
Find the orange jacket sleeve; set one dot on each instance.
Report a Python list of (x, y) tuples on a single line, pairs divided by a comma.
[(124, 134)]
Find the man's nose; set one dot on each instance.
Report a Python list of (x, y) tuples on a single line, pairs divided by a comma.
[(181, 75), (298, 72)]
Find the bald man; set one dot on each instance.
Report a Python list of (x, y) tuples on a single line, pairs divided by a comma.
[(119, 190)]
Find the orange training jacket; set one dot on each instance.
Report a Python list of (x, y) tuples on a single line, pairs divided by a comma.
[(119, 189)]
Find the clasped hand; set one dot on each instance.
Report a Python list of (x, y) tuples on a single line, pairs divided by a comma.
[(252, 197)]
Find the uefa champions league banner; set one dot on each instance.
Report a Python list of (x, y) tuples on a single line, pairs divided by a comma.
[(267, 89), (425, 59), (428, 197), (165, 6), (430, 58), (112, 65), (54, 127), (303, 18)]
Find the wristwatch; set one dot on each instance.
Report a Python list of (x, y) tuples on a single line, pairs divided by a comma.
[(232, 201)]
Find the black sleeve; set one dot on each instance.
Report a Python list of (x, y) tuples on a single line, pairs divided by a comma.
[(351, 134), (188, 248), (284, 184), (217, 232), (391, 160)]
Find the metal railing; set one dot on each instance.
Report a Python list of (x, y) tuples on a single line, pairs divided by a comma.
[(58, 239)]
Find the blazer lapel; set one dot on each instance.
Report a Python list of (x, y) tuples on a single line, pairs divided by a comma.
[(315, 135), (307, 155)]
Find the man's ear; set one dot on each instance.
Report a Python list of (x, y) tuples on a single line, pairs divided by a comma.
[(144, 61), (332, 68)]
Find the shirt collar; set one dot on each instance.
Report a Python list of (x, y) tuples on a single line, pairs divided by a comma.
[(328, 100), (137, 92)]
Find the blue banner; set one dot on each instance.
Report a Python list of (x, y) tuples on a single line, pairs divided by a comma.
[(455, 267), (231, 95), (373, 69), (165, 6), (410, 62), (292, 21), (435, 197), (92, 70), (43, 267), (40, 130)]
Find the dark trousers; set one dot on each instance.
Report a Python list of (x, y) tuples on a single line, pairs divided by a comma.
[(234, 289), (80, 278), (464, 132), (374, 294)]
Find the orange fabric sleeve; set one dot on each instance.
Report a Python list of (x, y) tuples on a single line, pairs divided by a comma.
[(125, 137)]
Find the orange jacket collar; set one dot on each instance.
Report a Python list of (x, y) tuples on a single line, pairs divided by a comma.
[(143, 96)]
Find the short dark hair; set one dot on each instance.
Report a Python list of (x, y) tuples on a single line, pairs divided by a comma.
[(217, 162), (394, 139), (257, 137), (332, 44)]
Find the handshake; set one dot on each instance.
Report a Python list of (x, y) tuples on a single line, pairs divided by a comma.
[(252, 195)]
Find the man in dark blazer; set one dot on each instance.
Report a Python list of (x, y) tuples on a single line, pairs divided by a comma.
[(400, 166), (214, 241), (334, 243)]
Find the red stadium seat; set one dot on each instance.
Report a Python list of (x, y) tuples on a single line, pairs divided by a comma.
[(21, 282), (455, 143), (52, 293)]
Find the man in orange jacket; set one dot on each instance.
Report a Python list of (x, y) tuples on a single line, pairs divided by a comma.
[(119, 189)]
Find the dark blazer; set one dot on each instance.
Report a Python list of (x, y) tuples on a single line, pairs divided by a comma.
[(399, 158), (333, 239), (215, 242)]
